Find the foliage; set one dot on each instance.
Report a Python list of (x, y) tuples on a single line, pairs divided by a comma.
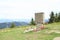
[(32, 22), (59, 17), (56, 17), (12, 25), (52, 18)]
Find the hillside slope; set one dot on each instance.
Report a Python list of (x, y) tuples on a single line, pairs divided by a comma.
[(18, 33)]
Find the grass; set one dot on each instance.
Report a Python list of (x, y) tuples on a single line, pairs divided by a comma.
[(17, 33)]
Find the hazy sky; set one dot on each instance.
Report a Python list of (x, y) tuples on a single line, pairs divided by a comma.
[(25, 9)]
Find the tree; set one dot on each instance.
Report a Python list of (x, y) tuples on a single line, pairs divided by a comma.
[(56, 17), (12, 25), (32, 22), (52, 18), (59, 17)]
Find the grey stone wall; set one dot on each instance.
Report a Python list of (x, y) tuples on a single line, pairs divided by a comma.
[(39, 17)]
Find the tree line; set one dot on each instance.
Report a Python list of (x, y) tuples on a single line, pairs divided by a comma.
[(54, 17)]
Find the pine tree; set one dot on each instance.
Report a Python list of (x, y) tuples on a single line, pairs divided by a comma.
[(59, 17), (32, 22), (56, 17), (12, 25), (52, 18)]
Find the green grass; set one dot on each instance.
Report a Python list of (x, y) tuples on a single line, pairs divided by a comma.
[(17, 33)]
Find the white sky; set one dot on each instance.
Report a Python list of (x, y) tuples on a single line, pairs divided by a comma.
[(25, 9)]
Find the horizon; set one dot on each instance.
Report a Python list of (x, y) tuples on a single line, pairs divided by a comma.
[(18, 20), (24, 9)]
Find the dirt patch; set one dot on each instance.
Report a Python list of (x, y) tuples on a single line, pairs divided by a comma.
[(56, 38)]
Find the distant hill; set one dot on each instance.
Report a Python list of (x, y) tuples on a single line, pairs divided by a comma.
[(11, 20), (5, 20), (4, 23), (8, 24)]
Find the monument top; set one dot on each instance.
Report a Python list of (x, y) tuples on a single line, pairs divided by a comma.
[(40, 12)]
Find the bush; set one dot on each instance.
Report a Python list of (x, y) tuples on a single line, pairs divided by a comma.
[(32, 22), (12, 25)]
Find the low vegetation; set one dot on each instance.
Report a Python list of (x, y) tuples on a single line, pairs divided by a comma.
[(12, 25), (18, 33)]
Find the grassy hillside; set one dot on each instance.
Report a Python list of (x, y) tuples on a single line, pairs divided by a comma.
[(18, 33)]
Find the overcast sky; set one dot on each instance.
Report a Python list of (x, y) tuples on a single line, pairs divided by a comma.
[(25, 9)]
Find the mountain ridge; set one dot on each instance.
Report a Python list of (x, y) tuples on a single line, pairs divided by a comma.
[(8, 24)]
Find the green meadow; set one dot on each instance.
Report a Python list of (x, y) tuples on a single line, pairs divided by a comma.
[(49, 33)]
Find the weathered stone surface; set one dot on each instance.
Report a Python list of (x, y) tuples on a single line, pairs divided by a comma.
[(39, 17)]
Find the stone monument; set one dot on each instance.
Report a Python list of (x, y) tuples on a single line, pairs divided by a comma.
[(39, 17)]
